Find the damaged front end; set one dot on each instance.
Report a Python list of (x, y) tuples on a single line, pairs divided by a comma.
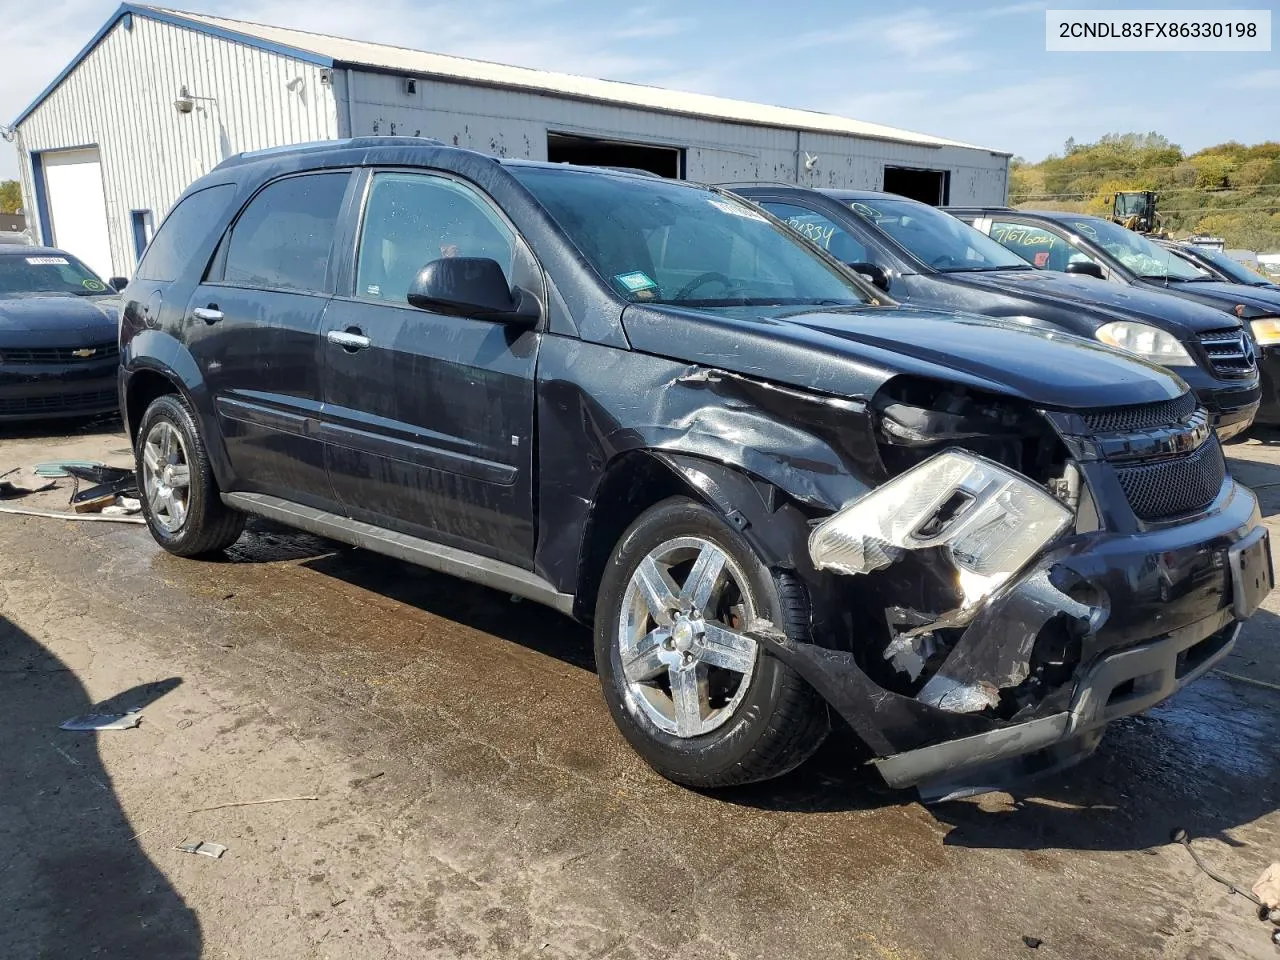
[(1002, 606)]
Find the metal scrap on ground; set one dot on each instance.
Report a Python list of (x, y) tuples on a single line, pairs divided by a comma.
[(103, 721), (205, 848)]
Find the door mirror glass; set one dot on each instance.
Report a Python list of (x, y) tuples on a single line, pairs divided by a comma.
[(118, 283), (471, 287), (873, 272), (1087, 268)]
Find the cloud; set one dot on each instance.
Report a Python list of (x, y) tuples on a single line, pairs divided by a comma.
[(911, 42)]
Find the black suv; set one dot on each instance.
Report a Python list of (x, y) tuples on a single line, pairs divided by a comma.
[(651, 406), (927, 258), (1054, 240)]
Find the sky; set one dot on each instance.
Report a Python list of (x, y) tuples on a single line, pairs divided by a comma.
[(977, 73)]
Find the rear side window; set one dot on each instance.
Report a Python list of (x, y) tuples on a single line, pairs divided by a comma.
[(183, 231), (284, 238)]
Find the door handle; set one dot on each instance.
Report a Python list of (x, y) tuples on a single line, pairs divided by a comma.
[(350, 339), (209, 314)]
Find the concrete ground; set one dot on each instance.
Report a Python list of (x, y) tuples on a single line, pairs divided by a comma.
[(474, 799)]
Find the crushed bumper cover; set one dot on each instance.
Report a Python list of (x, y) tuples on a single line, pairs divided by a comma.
[(1165, 605)]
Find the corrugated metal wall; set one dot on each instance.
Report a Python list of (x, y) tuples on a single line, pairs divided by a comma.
[(515, 123), (121, 99)]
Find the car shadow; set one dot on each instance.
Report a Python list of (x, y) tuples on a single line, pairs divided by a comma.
[(1201, 761), (75, 881), (70, 427)]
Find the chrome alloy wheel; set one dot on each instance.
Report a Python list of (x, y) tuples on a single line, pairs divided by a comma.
[(166, 475), (686, 663)]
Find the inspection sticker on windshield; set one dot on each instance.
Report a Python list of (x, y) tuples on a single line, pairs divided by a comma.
[(737, 210), (47, 261), (636, 281)]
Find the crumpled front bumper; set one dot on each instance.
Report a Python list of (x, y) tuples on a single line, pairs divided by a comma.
[(1166, 605)]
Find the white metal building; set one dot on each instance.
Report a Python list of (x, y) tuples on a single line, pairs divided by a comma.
[(158, 97)]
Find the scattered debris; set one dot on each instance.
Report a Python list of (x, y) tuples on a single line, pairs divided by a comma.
[(11, 491), (1267, 889), (1032, 942), (250, 803), (121, 484), (100, 473), (103, 721), (58, 468), (365, 781), (204, 848), (1180, 836), (56, 515)]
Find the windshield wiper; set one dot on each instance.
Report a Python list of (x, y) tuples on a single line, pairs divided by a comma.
[(987, 269)]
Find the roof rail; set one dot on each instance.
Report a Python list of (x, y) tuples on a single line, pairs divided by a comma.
[(729, 184), (317, 146)]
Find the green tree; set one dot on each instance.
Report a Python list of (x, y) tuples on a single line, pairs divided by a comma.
[(10, 196)]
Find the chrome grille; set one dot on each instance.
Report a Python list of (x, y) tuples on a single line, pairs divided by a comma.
[(1177, 486), (1141, 416), (1229, 353), (101, 351)]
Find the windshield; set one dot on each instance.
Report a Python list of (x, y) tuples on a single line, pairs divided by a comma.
[(659, 241), (937, 238), (1134, 251), (47, 274), (1234, 269)]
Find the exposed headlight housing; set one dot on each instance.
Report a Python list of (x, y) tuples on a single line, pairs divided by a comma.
[(1266, 331), (991, 521), (1148, 342)]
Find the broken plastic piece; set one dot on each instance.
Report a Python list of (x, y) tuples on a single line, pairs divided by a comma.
[(97, 473), (991, 521), (104, 494), (58, 468), (204, 848), (10, 491), (1267, 889), (103, 721), (948, 694)]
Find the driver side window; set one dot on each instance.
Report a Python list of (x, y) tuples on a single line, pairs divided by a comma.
[(819, 230), (411, 219), (1036, 245)]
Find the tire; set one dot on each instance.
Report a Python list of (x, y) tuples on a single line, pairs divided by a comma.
[(205, 525), (766, 726)]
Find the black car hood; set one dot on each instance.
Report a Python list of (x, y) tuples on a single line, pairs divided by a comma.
[(1105, 301), (854, 353), (1258, 301), (79, 318)]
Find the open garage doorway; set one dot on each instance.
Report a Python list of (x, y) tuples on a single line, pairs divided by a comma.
[(927, 186), (593, 152)]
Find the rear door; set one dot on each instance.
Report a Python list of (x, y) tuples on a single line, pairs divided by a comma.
[(254, 328), (428, 418)]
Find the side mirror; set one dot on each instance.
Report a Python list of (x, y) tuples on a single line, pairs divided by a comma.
[(118, 283), (471, 287), (1086, 268), (873, 272)]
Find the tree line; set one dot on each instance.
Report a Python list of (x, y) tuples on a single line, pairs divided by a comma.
[(1229, 190)]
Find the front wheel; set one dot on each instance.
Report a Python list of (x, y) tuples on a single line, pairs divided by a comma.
[(180, 498), (692, 693)]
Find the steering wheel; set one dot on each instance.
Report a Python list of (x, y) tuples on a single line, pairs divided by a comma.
[(946, 260), (701, 281)]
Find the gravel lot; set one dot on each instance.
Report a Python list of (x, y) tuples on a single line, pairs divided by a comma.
[(475, 800)]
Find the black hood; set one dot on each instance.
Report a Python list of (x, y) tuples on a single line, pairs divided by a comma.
[(1088, 296), (57, 321), (854, 353), (1257, 301)]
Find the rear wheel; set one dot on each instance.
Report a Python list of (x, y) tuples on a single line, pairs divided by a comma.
[(180, 497), (691, 691)]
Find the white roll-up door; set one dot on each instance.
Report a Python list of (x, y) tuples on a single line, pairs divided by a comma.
[(78, 206)]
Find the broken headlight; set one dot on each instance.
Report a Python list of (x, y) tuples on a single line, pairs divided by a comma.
[(991, 521)]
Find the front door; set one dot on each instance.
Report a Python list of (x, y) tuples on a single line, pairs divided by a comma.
[(254, 328), (428, 419)]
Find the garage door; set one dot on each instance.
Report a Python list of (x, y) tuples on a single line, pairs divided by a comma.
[(78, 207)]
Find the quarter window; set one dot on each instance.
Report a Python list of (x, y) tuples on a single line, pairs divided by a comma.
[(189, 224), (284, 238), (412, 219), (820, 230)]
